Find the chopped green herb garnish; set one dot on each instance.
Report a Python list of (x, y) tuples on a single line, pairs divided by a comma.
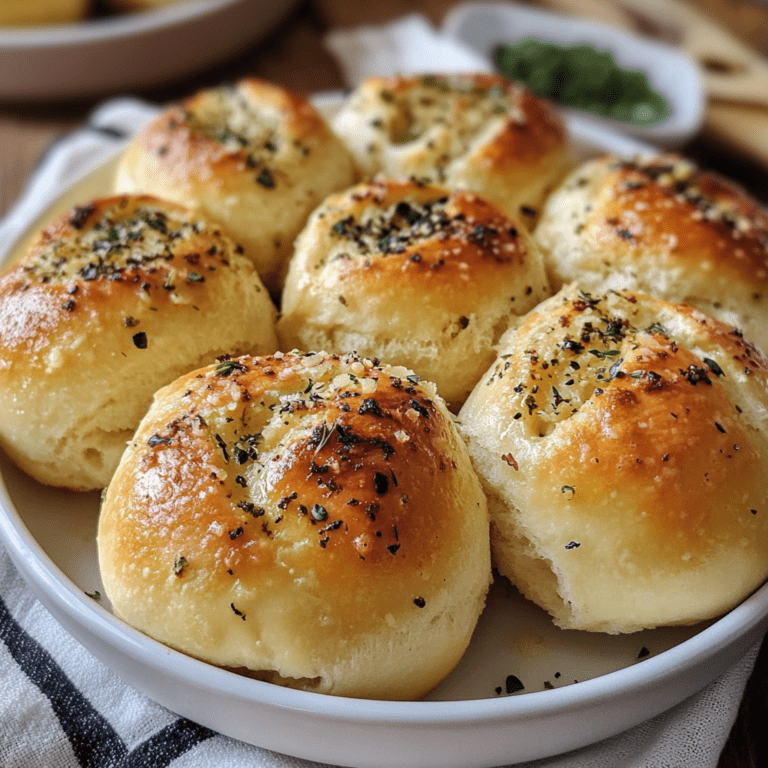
[(319, 512), (602, 354), (713, 366), (266, 179), (584, 77), (227, 367)]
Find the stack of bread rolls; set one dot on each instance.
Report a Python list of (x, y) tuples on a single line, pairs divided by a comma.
[(388, 352)]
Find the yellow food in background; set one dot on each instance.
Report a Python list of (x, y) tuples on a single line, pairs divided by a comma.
[(18, 13)]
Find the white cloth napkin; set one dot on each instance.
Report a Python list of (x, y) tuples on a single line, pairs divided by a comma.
[(408, 46), (62, 708)]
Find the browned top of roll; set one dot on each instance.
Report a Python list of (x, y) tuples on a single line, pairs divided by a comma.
[(336, 485), (89, 259), (531, 127), (667, 203), (444, 246), (221, 131)]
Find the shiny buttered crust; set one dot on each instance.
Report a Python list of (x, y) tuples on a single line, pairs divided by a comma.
[(311, 519), (111, 301), (622, 442), (252, 156), (661, 226), (25, 13), (474, 131), (414, 275)]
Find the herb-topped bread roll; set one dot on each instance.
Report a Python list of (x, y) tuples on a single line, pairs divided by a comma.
[(660, 225), (18, 13), (312, 520), (480, 132), (252, 156), (412, 274), (111, 301), (622, 442)]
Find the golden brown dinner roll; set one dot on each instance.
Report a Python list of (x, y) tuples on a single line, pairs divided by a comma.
[(622, 442), (310, 518), (252, 156), (662, 226), (20, 13), (110, 302), (142, 5), (414, 275), (479, 132)]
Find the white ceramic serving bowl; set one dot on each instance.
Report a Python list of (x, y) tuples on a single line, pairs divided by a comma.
[(129, 52), (467, 722), (483, 26)]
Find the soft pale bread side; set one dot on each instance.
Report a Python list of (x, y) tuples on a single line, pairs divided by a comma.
[(622, 442), (312, 520), (111, 301)]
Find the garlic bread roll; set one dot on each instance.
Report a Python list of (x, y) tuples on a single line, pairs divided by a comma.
[(252, 156), (414, 275), (111, 301), (479, 132), (661, 225), (311, 520), (622, 442)]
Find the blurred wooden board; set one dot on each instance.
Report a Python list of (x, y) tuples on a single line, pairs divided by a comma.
[(735, 73), (741, 126)]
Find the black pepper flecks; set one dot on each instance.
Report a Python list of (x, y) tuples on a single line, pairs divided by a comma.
[(140, 340)]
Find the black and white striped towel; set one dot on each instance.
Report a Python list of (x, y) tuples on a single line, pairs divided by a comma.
[(62, 708)]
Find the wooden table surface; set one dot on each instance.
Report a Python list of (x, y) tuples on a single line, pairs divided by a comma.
[(294, 56)]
